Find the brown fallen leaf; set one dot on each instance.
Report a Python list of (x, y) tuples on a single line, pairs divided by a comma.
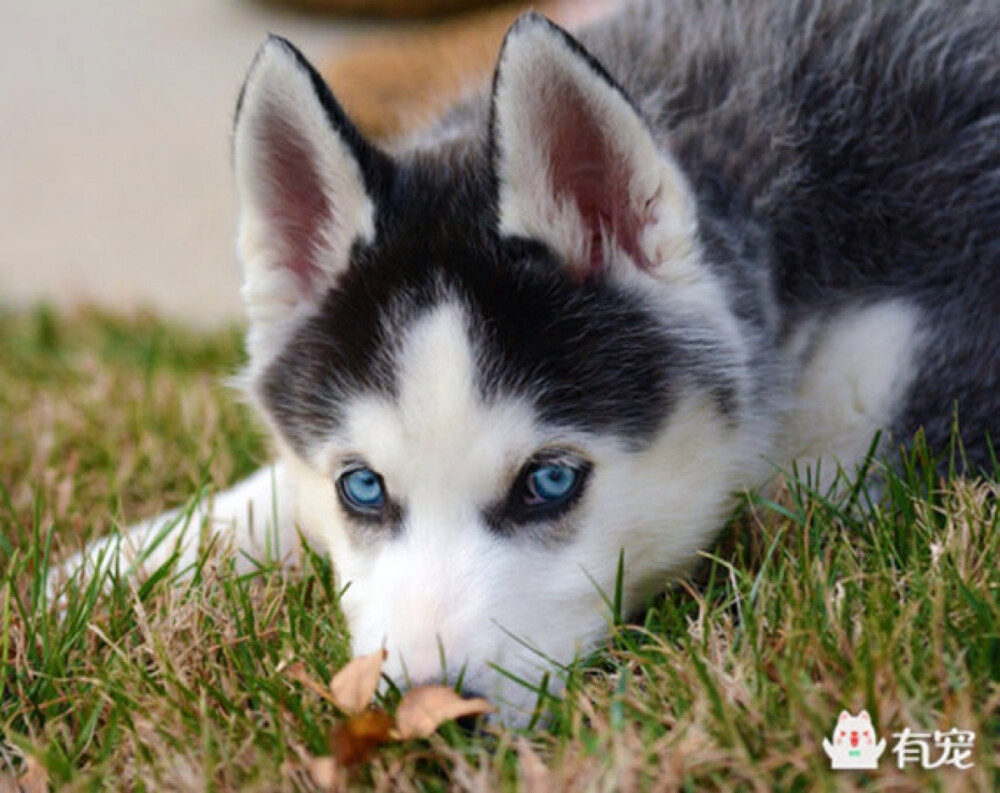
[(421, 711), (354, 686), (425, 708), (353, 741)]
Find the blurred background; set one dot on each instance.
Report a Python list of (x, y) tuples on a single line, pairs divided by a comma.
[(115, 184), (115, 117)]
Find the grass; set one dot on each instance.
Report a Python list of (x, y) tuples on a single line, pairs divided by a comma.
[(810, 604)]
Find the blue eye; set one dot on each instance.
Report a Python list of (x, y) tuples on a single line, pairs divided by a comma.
[(547, 487), (362, 490), (550, 484)]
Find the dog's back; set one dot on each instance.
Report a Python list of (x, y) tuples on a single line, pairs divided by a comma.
[(863, 138)]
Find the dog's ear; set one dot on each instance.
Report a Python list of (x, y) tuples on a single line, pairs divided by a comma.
[(577, 166), (307, 182)]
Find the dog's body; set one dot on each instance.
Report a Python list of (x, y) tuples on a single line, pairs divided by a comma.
[(579, 314)]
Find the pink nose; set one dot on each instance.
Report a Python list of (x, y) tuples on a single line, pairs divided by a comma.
[(854, 739)]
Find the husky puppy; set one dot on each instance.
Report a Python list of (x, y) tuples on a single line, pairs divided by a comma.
[(593, 302)]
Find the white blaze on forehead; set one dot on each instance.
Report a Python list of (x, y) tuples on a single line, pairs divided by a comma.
[(439, 439), (438, 376)]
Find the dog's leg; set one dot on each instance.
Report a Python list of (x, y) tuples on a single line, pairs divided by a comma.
[(253, 518)]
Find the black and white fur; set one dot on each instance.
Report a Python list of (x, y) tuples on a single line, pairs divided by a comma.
[(704, 237)]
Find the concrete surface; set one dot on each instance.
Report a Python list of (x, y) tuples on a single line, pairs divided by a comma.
[(115, 184)]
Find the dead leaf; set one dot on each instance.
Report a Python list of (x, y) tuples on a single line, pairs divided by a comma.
[(353, 741), (354, 686), (425, 708), (297, 672)]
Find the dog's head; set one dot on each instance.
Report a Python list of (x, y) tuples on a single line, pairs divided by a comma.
[(493, 365)]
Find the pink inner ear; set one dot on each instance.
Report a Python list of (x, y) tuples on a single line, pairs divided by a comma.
[(297, 205), (585, 166)]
